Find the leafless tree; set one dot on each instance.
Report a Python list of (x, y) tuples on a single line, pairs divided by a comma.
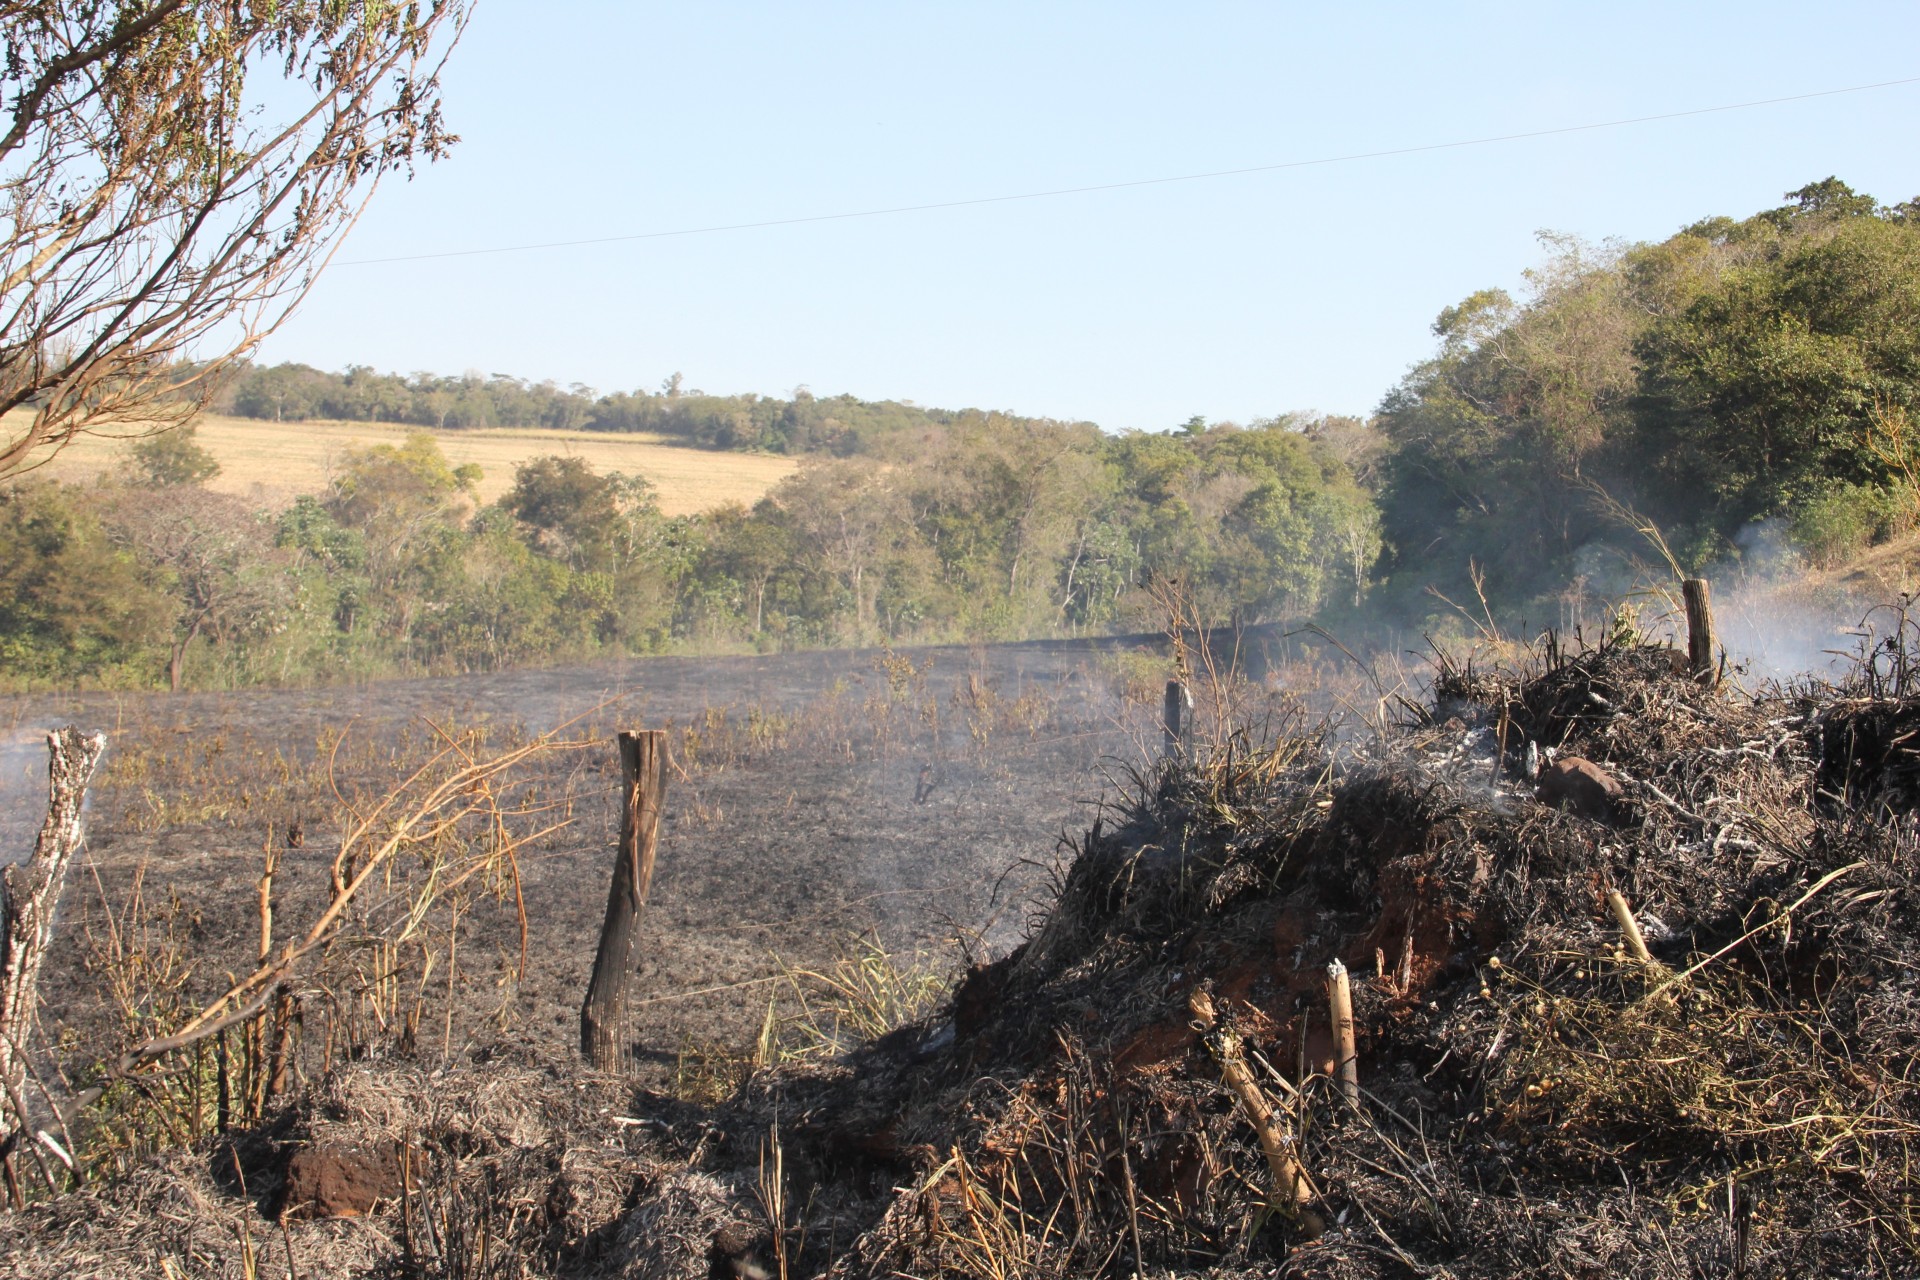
[(227, 583), (173, 176)]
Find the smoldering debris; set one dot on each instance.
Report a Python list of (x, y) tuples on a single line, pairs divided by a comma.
[(1671, 1038), (1722, 1088)]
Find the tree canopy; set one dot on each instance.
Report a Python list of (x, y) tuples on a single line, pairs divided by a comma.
[(1731, 374)]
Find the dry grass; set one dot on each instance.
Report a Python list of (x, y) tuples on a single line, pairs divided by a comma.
[(278, 461), (380, 945), (866, 993)]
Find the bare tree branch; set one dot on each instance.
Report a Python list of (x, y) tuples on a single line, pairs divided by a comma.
[(175, 176)]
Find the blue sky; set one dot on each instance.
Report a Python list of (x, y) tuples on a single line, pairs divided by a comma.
[(1234, 297)]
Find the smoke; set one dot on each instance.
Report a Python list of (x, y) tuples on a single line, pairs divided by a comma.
[(1765, 552), (1773, 619), (1600, 570), (1773, 636), (23, 791)]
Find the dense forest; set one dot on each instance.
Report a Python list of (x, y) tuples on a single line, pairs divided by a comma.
[(1740, 376)]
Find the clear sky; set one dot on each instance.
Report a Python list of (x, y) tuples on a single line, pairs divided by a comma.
[(1235, 297)]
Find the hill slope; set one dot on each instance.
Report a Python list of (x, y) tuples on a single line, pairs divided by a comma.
[(279, 461)]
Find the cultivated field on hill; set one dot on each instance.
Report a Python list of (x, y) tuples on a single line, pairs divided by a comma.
[(279, 460)]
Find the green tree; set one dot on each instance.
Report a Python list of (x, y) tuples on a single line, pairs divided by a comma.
[(73, 605), (848, 518), (1761, 391), (330, 590), (282, 393), (1826, 200), (573, 513), (169, 459), (748, 549), (408, 505), (1491, 441), (214, 558), (1279, 539)]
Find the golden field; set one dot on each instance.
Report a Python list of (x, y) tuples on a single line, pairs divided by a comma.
[(277, 461)]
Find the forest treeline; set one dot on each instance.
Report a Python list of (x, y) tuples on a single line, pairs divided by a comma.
[(1741, 387), (991, 528), (804, 423)]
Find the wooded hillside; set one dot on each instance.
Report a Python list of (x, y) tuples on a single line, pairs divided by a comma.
[(1739, 372)]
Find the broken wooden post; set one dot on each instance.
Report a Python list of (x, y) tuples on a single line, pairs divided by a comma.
[(1700, 640), (26, 918), (1177, 703), (603, 1015), (1346, 1058)]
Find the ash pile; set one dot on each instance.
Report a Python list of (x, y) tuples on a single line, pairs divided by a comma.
[(1632, 966)]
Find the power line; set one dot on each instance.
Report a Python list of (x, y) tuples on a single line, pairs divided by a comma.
[(1136, 182)]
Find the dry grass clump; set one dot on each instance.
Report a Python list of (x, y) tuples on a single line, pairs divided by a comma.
[(815, 1015), (866, 993)]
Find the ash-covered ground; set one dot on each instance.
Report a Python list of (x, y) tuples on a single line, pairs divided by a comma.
[(1631, 962), (815, 800)]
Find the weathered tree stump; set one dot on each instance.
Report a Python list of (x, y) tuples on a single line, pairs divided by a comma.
[(1701, 661), (1173, 714), (603, 1015)]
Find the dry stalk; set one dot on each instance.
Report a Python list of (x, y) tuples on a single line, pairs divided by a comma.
[(427, 814), (1629, 927), (1292, 1193), (771, 1190), (1484, 624), (1346, 1055)]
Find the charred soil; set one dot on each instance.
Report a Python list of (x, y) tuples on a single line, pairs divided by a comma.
[(1669, 1035)]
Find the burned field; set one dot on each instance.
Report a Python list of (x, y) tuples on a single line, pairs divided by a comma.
[(1654, 1015), (818, 805)]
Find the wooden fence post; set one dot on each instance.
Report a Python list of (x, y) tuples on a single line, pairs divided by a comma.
[(1700, 639), (26, 921), (1175, 709), (603, 1015)]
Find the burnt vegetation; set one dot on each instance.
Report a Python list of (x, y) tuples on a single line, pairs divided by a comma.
[(1671, 1038)]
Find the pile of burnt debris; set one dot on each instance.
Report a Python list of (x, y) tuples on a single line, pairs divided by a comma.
[(1591, 970)]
